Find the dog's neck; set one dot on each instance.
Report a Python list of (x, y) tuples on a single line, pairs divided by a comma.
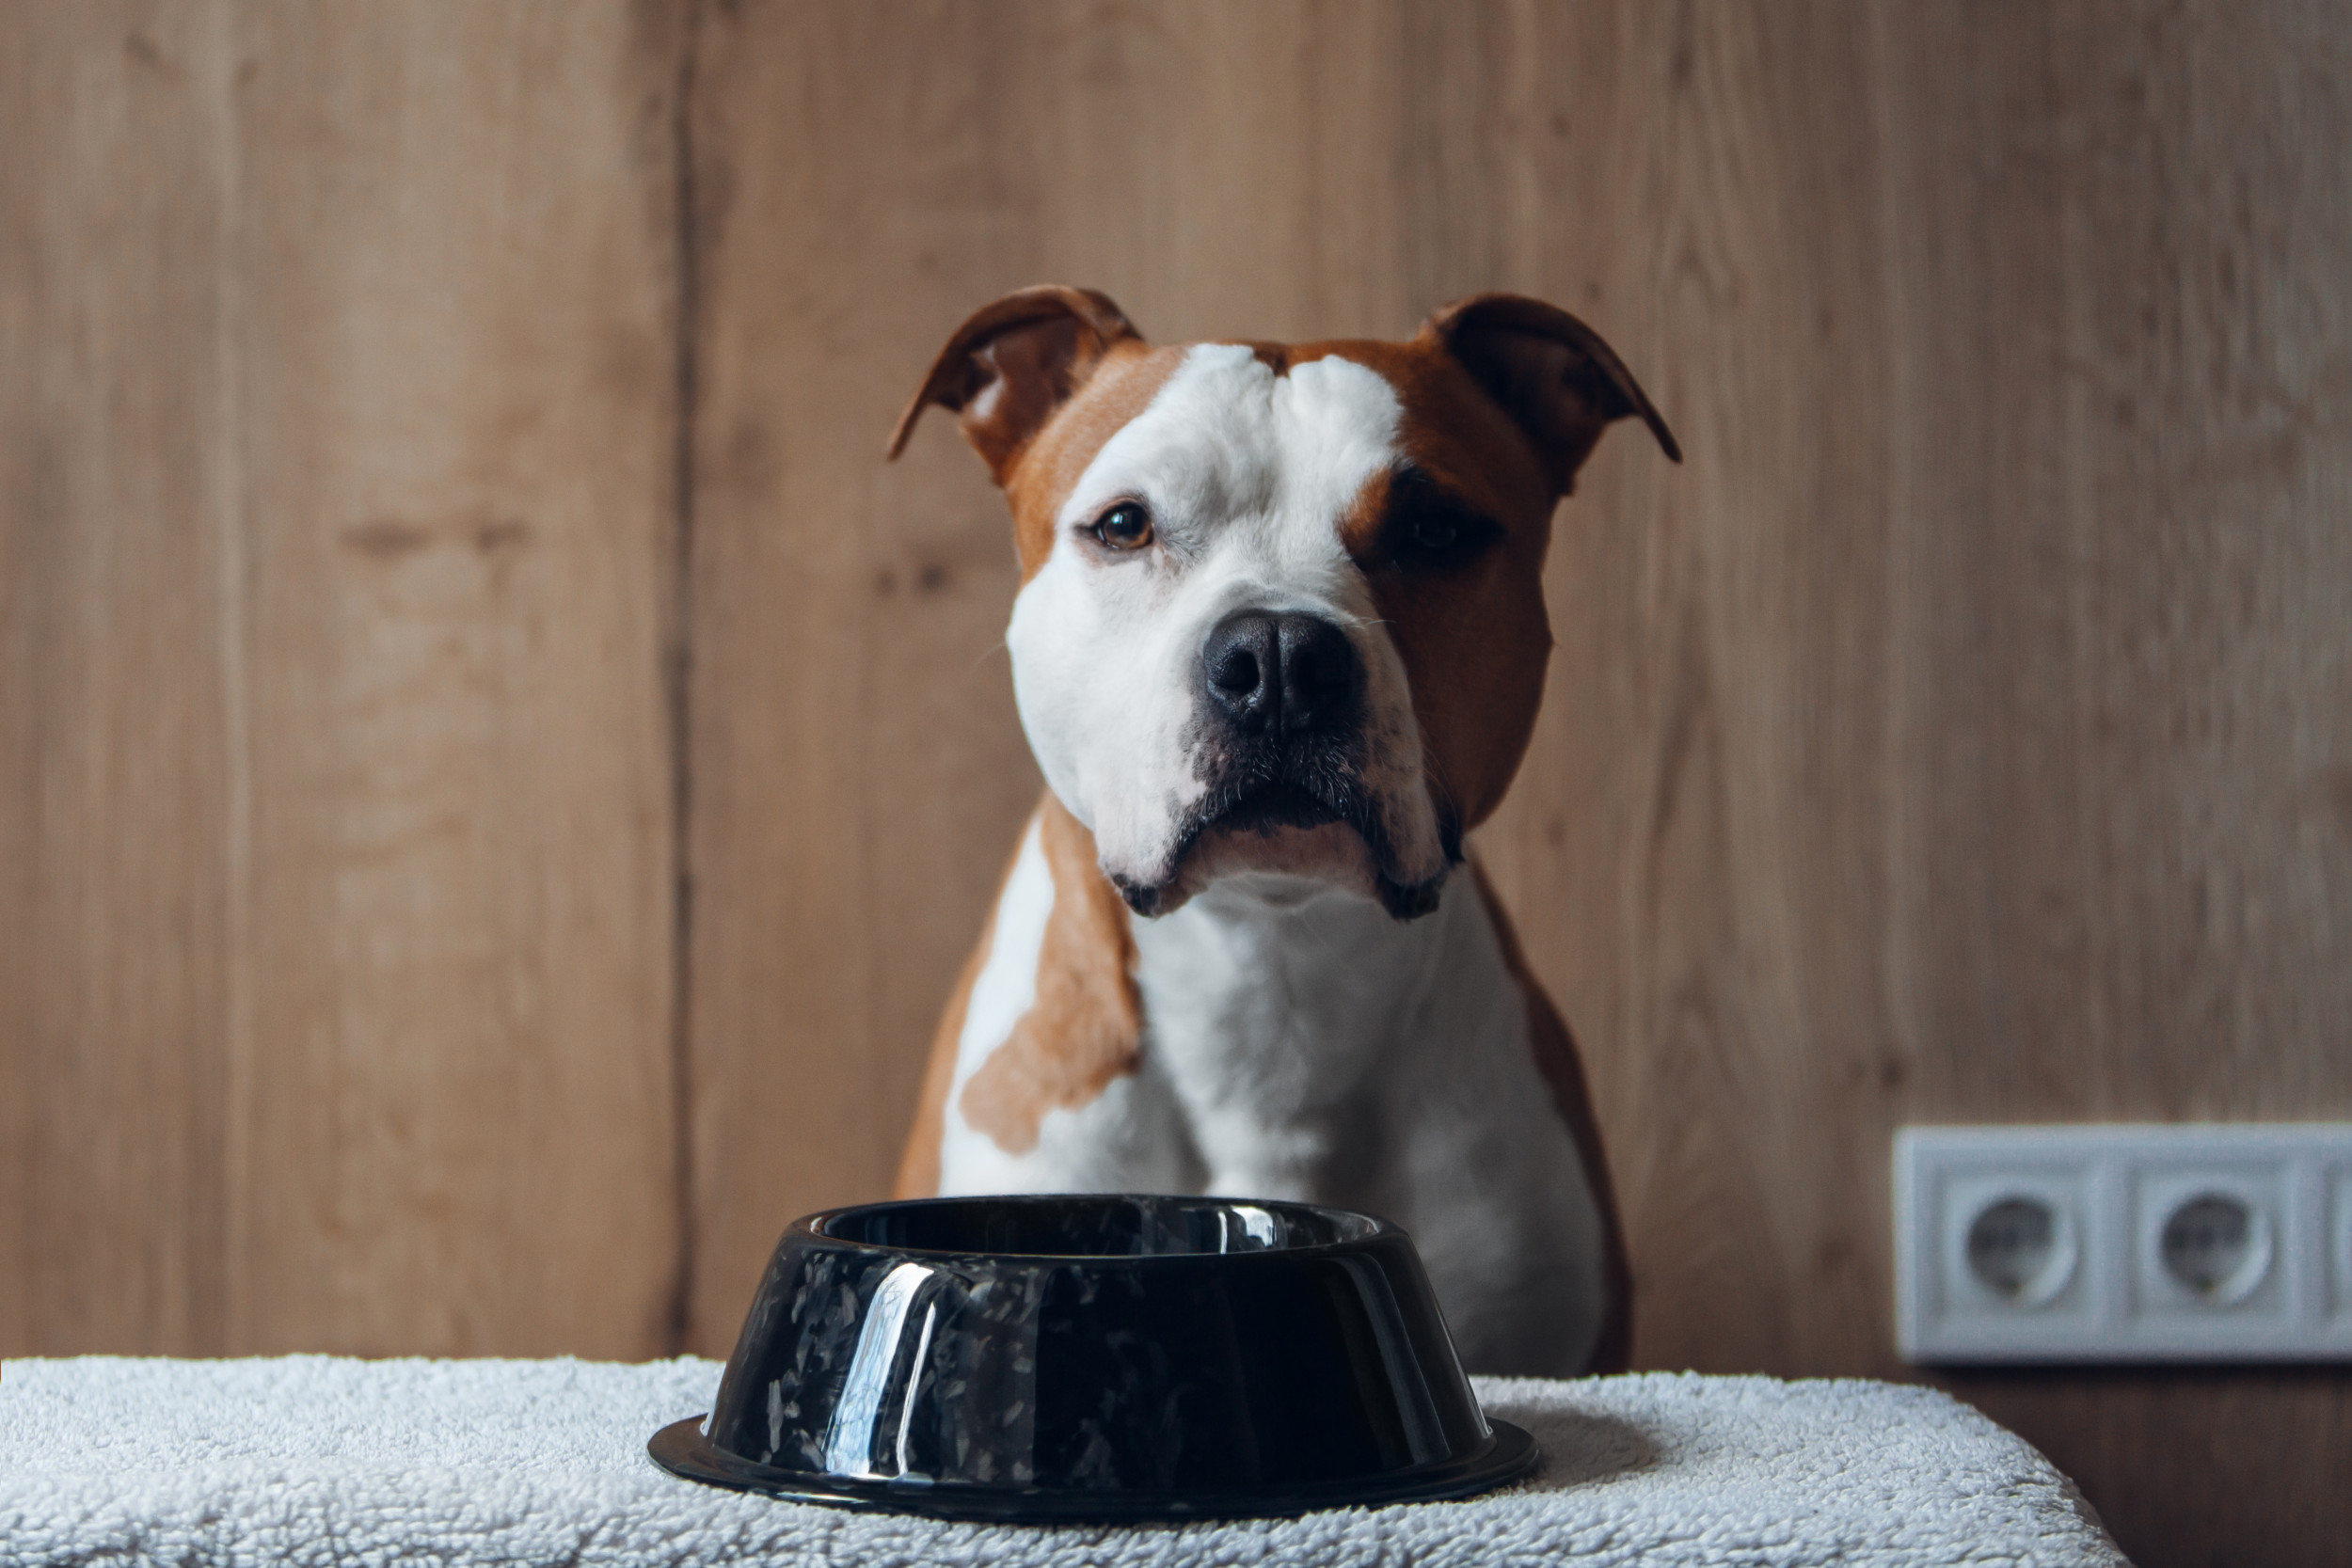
[(1283, 1015)]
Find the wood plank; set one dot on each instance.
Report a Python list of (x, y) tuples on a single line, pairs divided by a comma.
[(453, 1124), (337, 906), (859, 771), (1960, 735), (1672, 841), (115, 941)]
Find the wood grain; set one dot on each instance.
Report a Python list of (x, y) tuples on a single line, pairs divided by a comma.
[(339, 893), (859, 774), (1962, 735), (116, 952), (455, 1097), (856, 768)]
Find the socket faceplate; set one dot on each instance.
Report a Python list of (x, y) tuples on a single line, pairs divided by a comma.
[(2109, 1243)]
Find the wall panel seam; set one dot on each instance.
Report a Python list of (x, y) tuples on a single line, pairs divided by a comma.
[(678, 668)]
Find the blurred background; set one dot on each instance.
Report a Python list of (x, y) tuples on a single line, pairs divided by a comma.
[(497, 777)]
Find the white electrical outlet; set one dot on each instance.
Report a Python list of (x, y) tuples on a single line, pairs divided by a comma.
[(2125, 1242)]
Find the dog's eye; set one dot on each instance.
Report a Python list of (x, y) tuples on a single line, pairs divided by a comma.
[(1124, 527), (1430, 533)]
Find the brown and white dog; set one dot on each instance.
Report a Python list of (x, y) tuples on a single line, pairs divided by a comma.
[(1279, 643)]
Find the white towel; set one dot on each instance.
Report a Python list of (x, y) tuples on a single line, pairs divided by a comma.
[(324, 1460)]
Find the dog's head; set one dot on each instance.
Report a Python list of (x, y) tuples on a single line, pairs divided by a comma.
[(1281, 610)]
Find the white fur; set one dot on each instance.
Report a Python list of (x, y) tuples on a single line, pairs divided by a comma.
[(1246, 475), (1321, 1051)]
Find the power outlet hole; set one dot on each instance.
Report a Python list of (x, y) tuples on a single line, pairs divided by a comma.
[(2020, 1248), (2215, 1247)]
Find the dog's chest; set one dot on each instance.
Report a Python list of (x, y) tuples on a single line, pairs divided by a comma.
[(1322, 1053), (1311, 1048), (1286, 1035)]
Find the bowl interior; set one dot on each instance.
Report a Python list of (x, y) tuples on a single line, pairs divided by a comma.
[(1094, 1226)]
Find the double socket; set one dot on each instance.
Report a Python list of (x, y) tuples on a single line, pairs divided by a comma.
[(2110, 1243)]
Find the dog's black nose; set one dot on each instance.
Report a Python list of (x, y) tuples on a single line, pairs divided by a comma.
[(1280, 675)]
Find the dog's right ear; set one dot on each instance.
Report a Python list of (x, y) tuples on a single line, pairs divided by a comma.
[(1013, 363)]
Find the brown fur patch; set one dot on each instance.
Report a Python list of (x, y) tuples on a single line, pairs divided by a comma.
[(1476, 641), (1563, 1071), (1085, 1029), (1129, 377)]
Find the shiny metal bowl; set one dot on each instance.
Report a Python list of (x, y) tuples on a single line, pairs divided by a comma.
[(1095, 1358)]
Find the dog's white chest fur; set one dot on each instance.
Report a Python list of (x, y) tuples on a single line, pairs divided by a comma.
[(1299, 1043)]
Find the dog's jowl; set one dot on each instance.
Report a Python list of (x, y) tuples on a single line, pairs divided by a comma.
[(1279, 643)]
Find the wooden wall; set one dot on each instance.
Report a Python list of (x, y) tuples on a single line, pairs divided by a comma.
[(336, 868), (495, 776)]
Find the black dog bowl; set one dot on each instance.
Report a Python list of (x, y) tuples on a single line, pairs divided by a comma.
[(1096, 1358)]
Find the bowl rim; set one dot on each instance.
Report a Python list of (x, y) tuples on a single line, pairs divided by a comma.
[(811, 1227)]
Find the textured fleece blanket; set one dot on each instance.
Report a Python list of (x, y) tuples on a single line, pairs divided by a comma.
[(319, 1460)]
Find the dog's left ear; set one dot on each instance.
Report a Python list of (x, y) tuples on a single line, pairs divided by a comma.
[(1550, 372), (1013, 363)]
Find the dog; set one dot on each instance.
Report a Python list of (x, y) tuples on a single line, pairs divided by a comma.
[(1279, 643)]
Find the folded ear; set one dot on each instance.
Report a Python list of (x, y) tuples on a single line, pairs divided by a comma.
[(1013, 363), (1550, 372)]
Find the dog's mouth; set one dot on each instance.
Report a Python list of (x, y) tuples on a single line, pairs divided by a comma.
[(1321, 826), (1267, 808)]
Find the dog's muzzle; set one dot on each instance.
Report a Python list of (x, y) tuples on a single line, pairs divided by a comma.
[(1281, 744)]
